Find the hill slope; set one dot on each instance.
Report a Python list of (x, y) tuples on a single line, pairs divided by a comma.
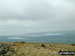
[(38, 49)]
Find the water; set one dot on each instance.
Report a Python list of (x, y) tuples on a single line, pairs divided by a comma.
[(67, 37)]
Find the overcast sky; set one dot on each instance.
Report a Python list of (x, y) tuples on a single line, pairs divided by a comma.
[(28, 16)]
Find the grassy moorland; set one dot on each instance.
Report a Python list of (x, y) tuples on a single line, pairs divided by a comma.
[(35, 49)]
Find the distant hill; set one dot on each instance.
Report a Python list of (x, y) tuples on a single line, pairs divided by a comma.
[(67, 36)]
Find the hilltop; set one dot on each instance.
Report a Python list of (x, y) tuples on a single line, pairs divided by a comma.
[(33, 49)]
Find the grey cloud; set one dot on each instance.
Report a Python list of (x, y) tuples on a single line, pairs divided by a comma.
[(24, 9), (24, 16)]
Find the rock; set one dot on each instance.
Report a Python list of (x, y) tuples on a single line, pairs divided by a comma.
[(42, 45), (73, 44), (5, 49)]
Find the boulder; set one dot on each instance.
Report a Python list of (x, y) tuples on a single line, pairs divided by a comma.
[(42, 45), (5, 49)]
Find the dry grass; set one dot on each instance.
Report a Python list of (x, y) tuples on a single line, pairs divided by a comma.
[(35, 49)]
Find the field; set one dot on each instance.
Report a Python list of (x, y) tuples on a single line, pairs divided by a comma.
[(37, 49)]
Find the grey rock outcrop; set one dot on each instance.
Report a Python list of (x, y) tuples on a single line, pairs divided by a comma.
[(5, 50)]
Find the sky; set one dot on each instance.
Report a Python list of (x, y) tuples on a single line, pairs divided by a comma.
[(30, 16)]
